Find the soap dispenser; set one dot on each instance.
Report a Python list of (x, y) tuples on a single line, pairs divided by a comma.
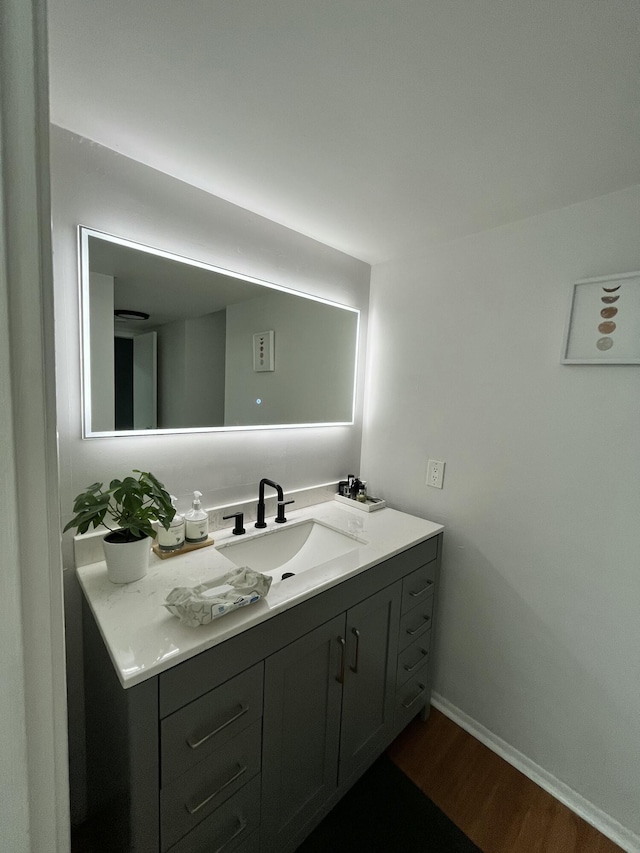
[(173, 538), (197, 521)]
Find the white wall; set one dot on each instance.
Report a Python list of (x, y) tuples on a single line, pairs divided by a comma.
[(34, 811), (99, 188), (538, 634)]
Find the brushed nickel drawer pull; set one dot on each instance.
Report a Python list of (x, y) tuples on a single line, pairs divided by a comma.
[(415, 698), (242, 825), (340, 678), (242, 769), (194, 744), (421, 591), (412, 631), (424, 653), (356, 634)]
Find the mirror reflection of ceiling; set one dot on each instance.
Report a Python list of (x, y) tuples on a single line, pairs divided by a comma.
[(374, 126), (147, 282)]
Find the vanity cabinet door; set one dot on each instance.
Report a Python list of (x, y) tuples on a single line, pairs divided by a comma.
[(370, 682), (301, 731)]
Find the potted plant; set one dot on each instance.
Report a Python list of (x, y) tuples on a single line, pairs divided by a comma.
[(132, 504)]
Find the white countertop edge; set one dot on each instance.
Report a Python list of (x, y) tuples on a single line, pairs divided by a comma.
[(136, 629)]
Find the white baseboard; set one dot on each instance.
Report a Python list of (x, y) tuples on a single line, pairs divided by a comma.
[(620, 835)]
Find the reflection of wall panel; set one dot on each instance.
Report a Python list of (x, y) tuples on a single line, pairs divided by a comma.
[(145, 381), (191, 372), (314, 357), (204, 370), (102, 366), (171, 360)]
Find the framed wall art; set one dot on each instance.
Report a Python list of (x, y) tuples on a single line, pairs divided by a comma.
[(263, 352), (603, 325)]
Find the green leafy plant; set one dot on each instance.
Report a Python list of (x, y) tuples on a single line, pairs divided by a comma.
[(133, 504)]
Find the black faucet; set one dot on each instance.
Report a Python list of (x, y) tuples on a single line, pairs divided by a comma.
[(260, 523), (238, 530)]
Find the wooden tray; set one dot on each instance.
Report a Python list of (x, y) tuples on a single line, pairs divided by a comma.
[(188, 546)]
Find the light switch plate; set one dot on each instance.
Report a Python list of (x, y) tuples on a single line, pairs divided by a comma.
[(435, 473)]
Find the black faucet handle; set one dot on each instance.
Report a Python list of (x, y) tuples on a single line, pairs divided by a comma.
[(280, 519), (238, 530)]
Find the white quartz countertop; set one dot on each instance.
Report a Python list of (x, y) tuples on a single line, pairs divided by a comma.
[(144, 639)]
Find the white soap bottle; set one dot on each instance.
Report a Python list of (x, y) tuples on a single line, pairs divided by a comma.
[(173, 538), (197, 521)]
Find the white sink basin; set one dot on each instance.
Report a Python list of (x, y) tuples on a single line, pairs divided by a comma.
[(296, 547)]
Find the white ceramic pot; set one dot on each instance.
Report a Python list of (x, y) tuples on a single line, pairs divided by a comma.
[(126, 561)]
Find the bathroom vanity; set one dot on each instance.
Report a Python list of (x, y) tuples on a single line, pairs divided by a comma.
[(242, 734)]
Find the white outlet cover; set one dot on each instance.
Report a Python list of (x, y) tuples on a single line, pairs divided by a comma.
[(435, 473)]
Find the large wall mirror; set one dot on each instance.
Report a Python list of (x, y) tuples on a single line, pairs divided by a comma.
[(174, 345)]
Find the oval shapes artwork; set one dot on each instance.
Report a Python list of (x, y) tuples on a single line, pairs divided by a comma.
[(604, 344), (608, 313), (604, 321), (608, 327)]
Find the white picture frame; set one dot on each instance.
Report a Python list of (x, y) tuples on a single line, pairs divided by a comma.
[(603, 322), (264, 352)]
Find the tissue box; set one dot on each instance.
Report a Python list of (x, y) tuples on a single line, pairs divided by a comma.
[(200, 605)]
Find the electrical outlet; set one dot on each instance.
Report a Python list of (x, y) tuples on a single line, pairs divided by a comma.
[(435, 473)]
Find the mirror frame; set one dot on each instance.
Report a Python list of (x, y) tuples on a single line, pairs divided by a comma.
[(84, 233)]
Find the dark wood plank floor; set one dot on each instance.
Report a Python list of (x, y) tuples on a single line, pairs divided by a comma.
[(496, 806)]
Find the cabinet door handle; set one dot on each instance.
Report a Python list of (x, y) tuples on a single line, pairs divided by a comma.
[(423, 653), (412, 631), (242, 769), (415, 698), (356, 634), (242, 825), (421, 591), (194, 744), (340, 678)]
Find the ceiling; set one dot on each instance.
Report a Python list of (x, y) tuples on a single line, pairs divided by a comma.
[(378, 127)]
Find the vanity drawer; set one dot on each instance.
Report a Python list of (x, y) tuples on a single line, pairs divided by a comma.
[(188, 799), (413, 658), (415, 623), (202, 727), (418, 586), (233, 828), (412, 697)]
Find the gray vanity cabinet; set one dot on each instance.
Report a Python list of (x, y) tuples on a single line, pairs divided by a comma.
[(249, 744), (369, 684), (328, 712), (301, 732)]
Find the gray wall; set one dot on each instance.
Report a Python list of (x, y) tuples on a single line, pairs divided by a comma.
[(312, 341), (99, 188), (538, 634)]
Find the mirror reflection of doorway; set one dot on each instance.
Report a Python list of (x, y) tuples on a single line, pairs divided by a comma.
[(135, 374)]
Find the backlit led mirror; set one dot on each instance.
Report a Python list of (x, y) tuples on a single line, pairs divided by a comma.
[(171, 344)]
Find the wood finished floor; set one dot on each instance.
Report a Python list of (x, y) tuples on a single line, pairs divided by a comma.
[(496, 806)]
